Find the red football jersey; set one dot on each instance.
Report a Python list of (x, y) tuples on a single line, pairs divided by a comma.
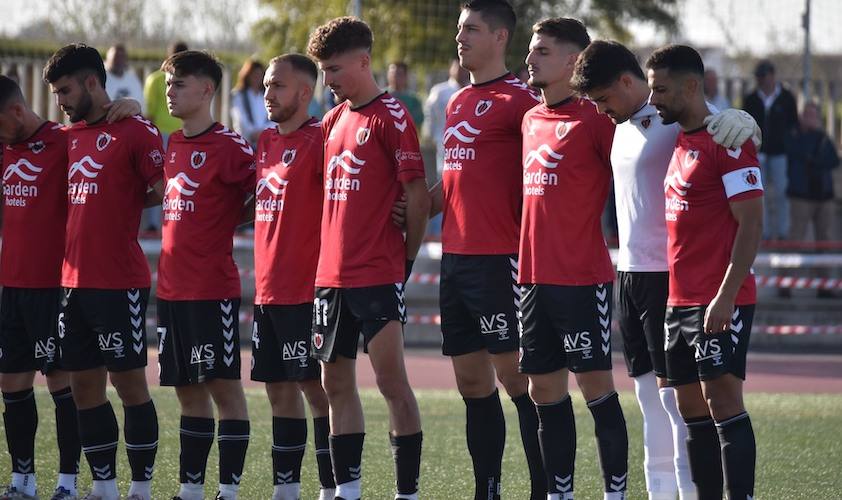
[(111, 166), (369, 152), (481, 181), (208, 177), (287, 214), (566, 178), (702, 179), (35, 209)]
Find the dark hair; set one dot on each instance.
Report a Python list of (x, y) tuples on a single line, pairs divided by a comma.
[(176, 47), (9, 92), (245, 70), (601, 64), (564, 29), (496, 14), (76, 59), (194, 63), (300, 63), (677, 59), (400, 65), (340, 35)]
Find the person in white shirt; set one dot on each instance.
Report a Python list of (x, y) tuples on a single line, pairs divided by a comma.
[(248, 113), (712, 94), (608, 74), (121, 81)]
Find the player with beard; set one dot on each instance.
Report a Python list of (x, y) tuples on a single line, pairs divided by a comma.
[(480, 199), (714, 220), (608, 74), (34, 216), (105, 274), (371, 155), (288, 210), (209, 174)]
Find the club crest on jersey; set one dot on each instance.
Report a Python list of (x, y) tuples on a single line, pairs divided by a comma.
[(690, 158), (363, 135), (37, 146), (103, 140), (561, 129), (197, 159), (156, 157), (318, 340), (646, 122), (751, 177), (482, 107), (288, 157)]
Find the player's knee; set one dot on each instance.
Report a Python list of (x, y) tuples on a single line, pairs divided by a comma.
[(514, 383), (595, 384), (337, 387), (543, 391), (315, 394), (394, 388), (57, 380), (16, 382), (131, 386), (282, 395)]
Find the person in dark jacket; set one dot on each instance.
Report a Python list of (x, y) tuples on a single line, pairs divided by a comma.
[(812, 156), (774, 108)]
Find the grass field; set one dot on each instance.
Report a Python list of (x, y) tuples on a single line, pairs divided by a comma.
[(799, 448)]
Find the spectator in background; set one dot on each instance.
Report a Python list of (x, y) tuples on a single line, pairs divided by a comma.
[(155, 94), (398, 79), (248, 113), (812, 156), (121, 80), (712, 94), (435, 105), (434, 119), (773, 108)]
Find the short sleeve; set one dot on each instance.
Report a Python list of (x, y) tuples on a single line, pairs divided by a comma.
[(603, 136), (402, 141), (241, 170), (148, 151), (740, 172)]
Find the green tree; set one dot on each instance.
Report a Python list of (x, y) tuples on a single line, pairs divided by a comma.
[(421, 32)]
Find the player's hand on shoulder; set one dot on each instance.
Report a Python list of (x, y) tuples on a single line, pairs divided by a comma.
[(121, 108), (731, 128)]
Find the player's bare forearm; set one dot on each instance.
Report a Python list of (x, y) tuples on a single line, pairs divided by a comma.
[(417, 212), (749, 216), (247, 215), (436, 199), (154, 196)]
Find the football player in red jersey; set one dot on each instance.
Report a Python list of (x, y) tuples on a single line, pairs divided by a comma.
[(480, 199), (371, 156), (105, 274), (565, 268), (714, 218), (34, 198), (610, 75), (288, 211), (209, 172)]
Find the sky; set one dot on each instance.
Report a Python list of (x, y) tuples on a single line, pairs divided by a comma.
[(755, 26)]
